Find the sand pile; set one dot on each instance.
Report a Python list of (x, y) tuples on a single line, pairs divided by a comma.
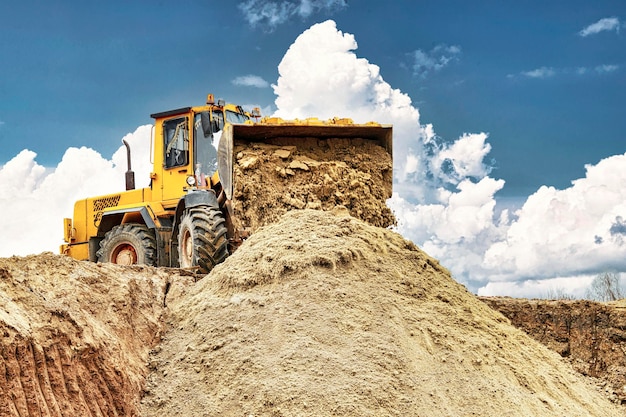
[(271, 179), (75, 336), (325, 315)]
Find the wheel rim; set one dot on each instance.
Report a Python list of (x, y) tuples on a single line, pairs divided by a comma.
[(187, 249), (124, 254)]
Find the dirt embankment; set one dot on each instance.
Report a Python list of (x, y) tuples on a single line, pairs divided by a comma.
[(319, 314), (591, 335)]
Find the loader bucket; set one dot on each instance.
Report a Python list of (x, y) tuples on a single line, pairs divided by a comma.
[(299, 133)]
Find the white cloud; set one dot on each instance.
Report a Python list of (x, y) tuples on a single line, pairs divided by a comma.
[(251, 81), (457, 227), (271, 13), (464, 158), (602, 69), (34, 199), (319, 75), (455, 218), (581, 70), (434, 60), (567, 232), (305, 8), (266, 13), (605, 24), (543, 72), (548, 72), (569, 286)]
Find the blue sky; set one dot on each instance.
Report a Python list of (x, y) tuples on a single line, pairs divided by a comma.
[(543, 82), (89, 72)]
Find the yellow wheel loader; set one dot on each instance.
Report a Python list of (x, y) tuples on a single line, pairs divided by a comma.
[(187, 216)]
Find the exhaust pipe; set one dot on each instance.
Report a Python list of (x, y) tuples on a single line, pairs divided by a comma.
[(130, 175)]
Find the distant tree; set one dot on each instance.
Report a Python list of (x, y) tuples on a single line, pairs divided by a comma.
[(559, 294), (606, 287)]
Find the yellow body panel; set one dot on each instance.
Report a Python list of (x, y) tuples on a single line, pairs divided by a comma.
[(88, 215)]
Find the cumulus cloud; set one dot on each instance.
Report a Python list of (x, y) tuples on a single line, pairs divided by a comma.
[(330, 84), (570, 232), (602, 25), (251, 81), (35, 199), (437, 58), (339, 83), (272, 13), (464, 158)]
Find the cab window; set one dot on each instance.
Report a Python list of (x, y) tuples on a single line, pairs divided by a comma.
[(234, 117), (205, 150), (176, 142)]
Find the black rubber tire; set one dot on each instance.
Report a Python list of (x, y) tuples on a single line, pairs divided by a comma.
[(202, 240), (129, 244)]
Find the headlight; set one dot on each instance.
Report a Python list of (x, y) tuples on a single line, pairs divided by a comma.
[(191, 180)]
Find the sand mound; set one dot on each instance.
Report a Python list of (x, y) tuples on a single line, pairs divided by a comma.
[(326, 315), (271, 179), (76, 335)]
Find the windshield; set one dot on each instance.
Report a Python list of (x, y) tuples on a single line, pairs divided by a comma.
[(207, 136), (234, 117)]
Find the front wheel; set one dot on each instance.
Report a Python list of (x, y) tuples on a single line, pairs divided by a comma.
[(202, 240), (129, 244)]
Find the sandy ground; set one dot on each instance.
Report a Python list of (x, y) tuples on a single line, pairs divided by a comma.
[(322, 315)]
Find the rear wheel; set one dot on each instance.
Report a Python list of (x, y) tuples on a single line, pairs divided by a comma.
[(202, 240), (129, 244)]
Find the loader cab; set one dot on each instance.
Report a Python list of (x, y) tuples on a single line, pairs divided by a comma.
[(185, 146)]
